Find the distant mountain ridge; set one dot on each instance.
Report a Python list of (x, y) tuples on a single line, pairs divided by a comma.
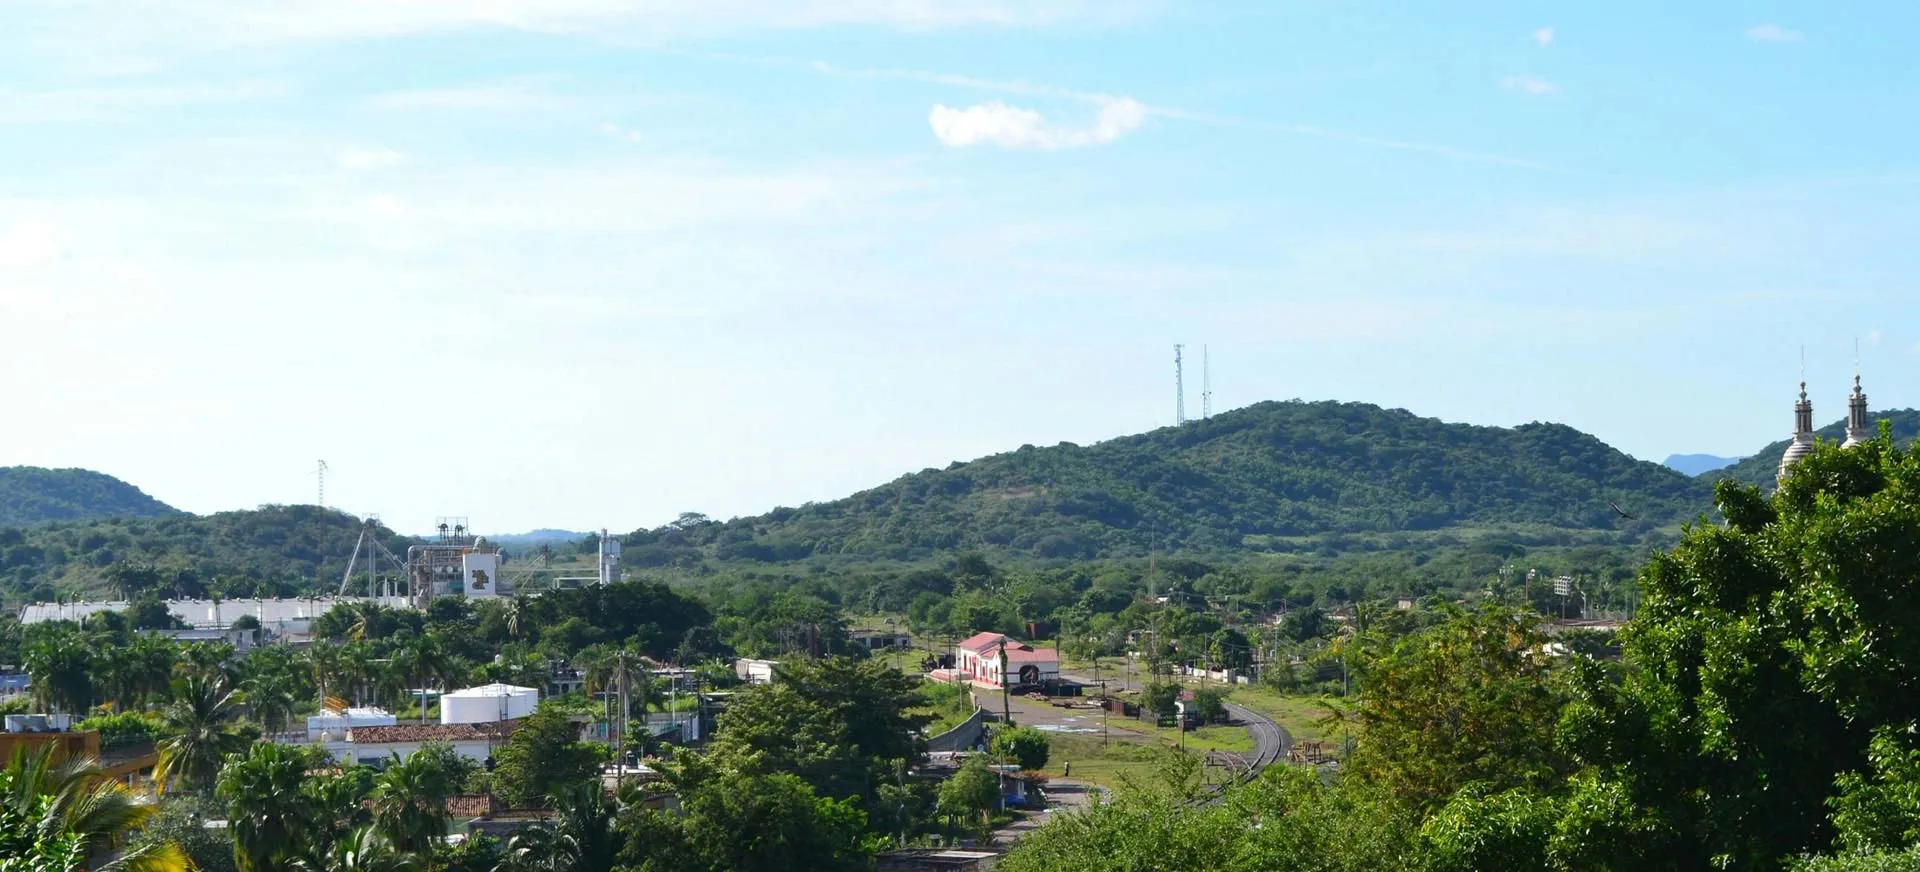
[(1761, 468), (31, 495), (1248, 478), (1698, 464)]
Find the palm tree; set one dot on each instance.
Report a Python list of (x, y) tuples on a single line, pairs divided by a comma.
[(421, 660), (202, 717), (517, 615), (330, 668), (622, 672), (582, 839), (273, 822), (409, 803), (60, 663), (366, 850), (73, 805)]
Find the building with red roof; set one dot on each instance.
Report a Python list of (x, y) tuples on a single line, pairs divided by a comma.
[(978, 659)]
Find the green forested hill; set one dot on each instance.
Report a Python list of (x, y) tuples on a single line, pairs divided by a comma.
[(1257, 477), (1761, 467), (32, 495), (273, 550)]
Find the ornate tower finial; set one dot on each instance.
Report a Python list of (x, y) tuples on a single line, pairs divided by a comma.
[(1802, 444), (1859, 430)]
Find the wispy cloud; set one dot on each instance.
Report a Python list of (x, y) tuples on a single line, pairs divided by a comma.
[(1530, 85), (369, 158), (1773, 33), (1873, 338), (1543, 36), (1022, 88), (30, 242), (997, 123)]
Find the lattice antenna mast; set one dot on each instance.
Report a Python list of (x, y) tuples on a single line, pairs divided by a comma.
[(1206, 384), (321, 471), (1179, 387)]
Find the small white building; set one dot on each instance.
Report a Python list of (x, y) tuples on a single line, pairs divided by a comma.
[(329, 726), (755, 671), (488, 703), (377, 746)]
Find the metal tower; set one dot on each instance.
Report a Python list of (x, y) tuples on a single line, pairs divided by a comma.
[(1206, 385), (1179, 387), (322, 473)]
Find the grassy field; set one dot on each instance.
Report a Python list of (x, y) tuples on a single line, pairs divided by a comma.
[(1301, 715), (1106, 765)]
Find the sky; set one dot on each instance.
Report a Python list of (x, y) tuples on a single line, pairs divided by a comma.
[(593, 263)]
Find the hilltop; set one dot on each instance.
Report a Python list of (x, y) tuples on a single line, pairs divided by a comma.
[(31, 495), (272, 551), (1262, 477), (1760, 468)]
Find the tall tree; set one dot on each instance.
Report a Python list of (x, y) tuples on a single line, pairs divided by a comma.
[(201, 720), (409, 802), (274, 822)]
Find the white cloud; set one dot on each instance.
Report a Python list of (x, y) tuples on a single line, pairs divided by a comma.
[(997, 123), (1873, 338), (1157, 111), (370, 158), (1532, 85), (1772, 33), (1543, 36)]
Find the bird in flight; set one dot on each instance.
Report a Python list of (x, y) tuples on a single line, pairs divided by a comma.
[(1621, 512)]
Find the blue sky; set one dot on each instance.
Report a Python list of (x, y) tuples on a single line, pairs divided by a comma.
[(592, 263)]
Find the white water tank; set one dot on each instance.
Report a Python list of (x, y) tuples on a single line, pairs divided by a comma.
[(488, 703)]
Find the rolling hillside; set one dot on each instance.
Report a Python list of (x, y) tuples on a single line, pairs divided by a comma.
[(1253, 478), (1760, 467), (31, 495), (272, 551)]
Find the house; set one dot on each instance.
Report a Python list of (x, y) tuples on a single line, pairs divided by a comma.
[(32, 733), (755, 671), (241, 640), (978, 659), (880, 640), (375, 746)]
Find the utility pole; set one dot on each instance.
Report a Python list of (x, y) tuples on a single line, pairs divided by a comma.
[(620, 738), (1006, 686)]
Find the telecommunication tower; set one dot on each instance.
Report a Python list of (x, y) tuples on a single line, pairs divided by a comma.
[(1179, 387), (1206, 385), (321, 471)]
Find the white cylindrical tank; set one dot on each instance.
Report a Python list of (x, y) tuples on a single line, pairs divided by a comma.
[(488, 703)]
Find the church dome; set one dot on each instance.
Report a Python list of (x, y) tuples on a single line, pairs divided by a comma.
[(1802, 444)]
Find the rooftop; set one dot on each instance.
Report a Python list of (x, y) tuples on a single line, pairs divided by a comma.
[(431, 732)]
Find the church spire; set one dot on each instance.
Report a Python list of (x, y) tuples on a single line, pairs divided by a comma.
[(1858, 429), (1802, 444)]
